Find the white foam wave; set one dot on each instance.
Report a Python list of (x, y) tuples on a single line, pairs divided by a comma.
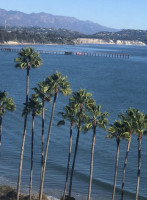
[(52, 198)]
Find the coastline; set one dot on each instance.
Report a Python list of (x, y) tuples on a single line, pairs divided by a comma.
[(111, 42), (80, 41), (9, 193), (25, 43)]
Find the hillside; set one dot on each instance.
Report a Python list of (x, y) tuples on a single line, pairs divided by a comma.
[(63, 36), (127, 35), (39, 35), (45, 20)]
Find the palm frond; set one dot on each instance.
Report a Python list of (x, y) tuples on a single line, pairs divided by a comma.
[(61, 122), (6, 103), (28, 55)]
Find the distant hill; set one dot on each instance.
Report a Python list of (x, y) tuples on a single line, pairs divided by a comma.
[(125, 35), (40, 35), (16, 18)]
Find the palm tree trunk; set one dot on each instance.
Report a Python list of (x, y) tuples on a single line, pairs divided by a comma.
[(32, 148), (27, 86), (67, 172), (23, 140), (91, 165), (74, 159), (42, 151), (0, 129), (139, 166), (116, 167), (124, 169), (21, 158), (46, 150)]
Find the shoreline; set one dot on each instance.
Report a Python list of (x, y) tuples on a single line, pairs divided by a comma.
[(111, 42), (80, 41), (9, 193), (25, 43)]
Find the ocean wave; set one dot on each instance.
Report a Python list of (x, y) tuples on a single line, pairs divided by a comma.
[(52, 198)]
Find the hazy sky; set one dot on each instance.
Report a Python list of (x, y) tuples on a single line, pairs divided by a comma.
[(112, 13)]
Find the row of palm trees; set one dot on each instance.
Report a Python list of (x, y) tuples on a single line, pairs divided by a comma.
[(47, 89), (85, 114), (133, 121), (82, 112)]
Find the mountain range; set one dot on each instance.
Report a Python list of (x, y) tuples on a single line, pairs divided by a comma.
[(16, 18)]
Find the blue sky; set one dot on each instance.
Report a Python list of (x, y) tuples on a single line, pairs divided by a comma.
[(112, 13)]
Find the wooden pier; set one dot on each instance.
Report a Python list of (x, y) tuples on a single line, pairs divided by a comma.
[(104, 54)]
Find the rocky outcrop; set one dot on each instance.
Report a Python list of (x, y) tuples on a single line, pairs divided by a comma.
[(100, 41), (8, 193)]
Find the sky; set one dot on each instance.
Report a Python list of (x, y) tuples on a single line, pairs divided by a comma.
[(119, 14)]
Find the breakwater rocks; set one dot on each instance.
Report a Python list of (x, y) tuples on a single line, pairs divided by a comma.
[(9, 193)]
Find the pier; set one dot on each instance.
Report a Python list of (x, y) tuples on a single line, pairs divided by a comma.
[(70, 53)]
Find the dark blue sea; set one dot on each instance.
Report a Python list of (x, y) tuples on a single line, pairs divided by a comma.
[(115, 83)]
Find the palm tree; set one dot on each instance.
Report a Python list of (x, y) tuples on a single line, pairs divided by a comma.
[(26, 58), (6, 103), (35, 107), (81, 101), (43, 91), (70, 115), (140, 124), (59, 84), (118, 130), (96, 119), (127, 118)]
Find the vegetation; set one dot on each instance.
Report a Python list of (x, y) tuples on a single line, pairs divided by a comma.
[(95, 119), (81, 112), (38, 35), (62, 36), (119, 130), (126, 34), (6, 103), (45, 93), (57, 84), (128, 119), (35, 107), (140, 124), (81, 101), (70, 115), (27, 57), (9, 193)]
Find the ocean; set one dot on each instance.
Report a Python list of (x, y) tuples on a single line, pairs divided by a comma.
[(115, 83)]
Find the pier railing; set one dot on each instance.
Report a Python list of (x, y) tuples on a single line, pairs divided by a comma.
[(104, 54)]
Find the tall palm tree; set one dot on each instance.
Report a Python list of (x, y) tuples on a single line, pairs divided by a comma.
[(96, 119), (35, 107), (81, 101), (127, 117), (140, 124), (118, 130), (43, 91), (27, 58), (6, 103), (70, 115), (59, 84)]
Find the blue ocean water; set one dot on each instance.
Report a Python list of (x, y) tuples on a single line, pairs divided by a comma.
[(115, 83)]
